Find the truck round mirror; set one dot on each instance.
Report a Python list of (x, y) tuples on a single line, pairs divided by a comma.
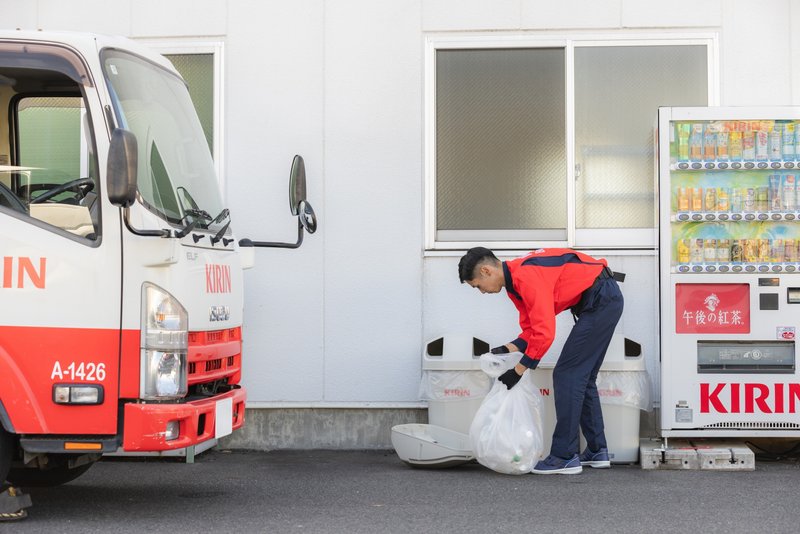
[(297, 185), (307, 217)]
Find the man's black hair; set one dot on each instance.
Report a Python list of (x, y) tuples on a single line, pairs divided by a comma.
[(474, 257)]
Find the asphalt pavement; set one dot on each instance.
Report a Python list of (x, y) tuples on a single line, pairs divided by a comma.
[(374, 492)]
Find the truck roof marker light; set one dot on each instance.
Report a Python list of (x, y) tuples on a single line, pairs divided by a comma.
[(78, 394)]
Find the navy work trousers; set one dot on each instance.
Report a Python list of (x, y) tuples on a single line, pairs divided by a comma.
[(577, 402)]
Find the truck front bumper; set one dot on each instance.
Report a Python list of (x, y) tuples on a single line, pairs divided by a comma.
[(145, 427)]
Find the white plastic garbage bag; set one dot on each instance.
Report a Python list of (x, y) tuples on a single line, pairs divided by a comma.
[(453, 385), (506, 433), (625, 388)]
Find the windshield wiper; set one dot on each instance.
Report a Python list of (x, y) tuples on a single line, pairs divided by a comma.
[(199, 215), (225, 213)]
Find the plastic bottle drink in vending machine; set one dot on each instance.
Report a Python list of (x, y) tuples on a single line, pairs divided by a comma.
[(789, 250), (711, 199), (696, 142), (737, 202), (777, 251), (762, 144), (697, 199), (774, 194), (683, 199), (764, 250), (788, 197), (776, 142), (735, 143), (710, 142), (684, 129), (723, 200), (762, 199), (788, 144), (736, 251), (683, 250), (697, 251), (723, 138), (748, 144), (750, 250), (750, 199), (710, 250), (724, 250)]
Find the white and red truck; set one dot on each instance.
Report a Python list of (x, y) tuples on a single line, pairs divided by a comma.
[(120, 278)]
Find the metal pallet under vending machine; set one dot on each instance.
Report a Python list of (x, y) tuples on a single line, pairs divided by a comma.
[(729, 263)]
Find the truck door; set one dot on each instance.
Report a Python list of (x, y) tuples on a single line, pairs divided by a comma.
[(60, 266)]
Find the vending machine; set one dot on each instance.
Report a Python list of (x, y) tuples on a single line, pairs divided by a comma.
[(729, 264)]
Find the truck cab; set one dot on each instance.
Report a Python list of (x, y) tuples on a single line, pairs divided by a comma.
[(120, 277)]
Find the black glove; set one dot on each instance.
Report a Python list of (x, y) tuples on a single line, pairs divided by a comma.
[(502, 349), (509, 378)]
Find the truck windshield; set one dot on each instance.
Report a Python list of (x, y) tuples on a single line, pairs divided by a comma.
[(176, 176)]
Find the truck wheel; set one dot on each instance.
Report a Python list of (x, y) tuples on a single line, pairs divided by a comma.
[(6, 453), (59, 474)]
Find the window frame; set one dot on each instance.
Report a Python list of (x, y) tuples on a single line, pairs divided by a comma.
[(216, 48), (611, 238)]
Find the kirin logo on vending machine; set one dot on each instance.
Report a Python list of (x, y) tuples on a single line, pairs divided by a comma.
[(712, 308)]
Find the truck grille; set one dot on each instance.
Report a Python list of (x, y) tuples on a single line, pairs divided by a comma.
[(214, 355)]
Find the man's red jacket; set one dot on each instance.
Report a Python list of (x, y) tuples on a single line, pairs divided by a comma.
[(541, 285)]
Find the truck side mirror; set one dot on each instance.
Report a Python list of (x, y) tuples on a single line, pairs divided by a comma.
[(122, 167), (298, 204)]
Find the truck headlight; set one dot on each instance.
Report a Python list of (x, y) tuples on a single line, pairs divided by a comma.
[(164, 345)]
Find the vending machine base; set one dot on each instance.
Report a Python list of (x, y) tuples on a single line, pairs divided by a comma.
[(700, 453)]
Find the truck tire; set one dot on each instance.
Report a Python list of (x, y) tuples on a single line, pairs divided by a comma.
[(6, 454), (59, 474)]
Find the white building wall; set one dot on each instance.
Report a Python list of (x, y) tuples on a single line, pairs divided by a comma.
[(342, 320)]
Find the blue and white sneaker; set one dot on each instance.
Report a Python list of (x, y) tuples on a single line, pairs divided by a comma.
[(553, 465), (598, 460)]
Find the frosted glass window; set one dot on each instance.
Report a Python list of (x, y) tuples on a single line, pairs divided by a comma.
[(198, 72), (500, 144), (617, 94)]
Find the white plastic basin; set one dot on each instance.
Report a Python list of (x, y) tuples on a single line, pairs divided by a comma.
[(431, 446)]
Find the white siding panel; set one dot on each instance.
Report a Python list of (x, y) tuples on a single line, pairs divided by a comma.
[(98, 16), (274, 94), (157, 18), (373, 140), (440, 15), (675, 13), (756, 53), (548, 15)]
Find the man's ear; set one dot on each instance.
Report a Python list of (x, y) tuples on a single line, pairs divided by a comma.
[(484, 270)]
